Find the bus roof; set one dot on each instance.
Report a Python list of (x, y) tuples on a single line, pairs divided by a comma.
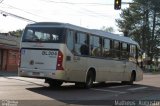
[(90, 31)]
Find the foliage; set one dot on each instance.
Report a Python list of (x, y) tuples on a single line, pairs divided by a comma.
[(141, 21), (107, 29), (16, 33)]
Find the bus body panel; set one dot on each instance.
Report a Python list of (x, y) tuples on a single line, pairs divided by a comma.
[(76, 69), (40, 60), (47, 59), (37, 73), (105, 70), (139, 75), (130, 67)]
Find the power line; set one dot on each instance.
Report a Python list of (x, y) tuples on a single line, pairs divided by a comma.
[(23, 10), (48, 1), (89, 11), (4, 13), (1, 1), (75, 3)]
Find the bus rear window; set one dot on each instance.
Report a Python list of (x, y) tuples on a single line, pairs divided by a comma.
[(46, 35)]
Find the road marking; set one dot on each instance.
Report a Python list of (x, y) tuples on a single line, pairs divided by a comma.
[(105, 90), (138, 88), (120, 86)]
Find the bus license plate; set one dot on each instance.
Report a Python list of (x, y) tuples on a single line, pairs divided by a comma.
[(36, 73)]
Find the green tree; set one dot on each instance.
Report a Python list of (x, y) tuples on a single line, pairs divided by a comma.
[(141, 21), (107, 29), (16, 33)]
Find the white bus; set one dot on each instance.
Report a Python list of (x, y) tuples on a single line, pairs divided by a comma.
[(61, 52)]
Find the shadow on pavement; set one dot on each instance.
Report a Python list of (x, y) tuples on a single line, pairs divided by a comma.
[(70, 94)]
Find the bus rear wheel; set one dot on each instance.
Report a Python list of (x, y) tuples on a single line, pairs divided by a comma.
[(54, 83), (132, 79), (89, 80)]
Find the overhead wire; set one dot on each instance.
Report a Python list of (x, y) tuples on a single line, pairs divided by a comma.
[(93, 13), (89, 11), (24, 11), (76, 3), (4, 13), (1, 1)]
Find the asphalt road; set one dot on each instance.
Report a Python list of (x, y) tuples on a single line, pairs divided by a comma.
[(19, 91)]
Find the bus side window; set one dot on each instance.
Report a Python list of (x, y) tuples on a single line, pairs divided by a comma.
[(29, 35), (116, 49), (106, 48), (124, 50), (139, 57), (95, 46), (132, 54), (133, 51), (81, 44), (70, 40)]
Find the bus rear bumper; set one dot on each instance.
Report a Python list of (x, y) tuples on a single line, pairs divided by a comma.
[(43, 74)]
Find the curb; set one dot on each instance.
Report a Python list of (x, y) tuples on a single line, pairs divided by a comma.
[(8, 73)]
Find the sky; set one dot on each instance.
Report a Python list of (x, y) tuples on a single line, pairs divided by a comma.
[(92, 14)]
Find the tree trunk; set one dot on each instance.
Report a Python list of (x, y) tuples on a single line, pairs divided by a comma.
[(153, 35)]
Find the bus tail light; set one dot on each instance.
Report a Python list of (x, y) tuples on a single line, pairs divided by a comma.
[(59, 61)]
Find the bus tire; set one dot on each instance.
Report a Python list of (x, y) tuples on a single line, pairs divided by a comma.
[(89, 80), (55, 83), (79, 85), (132, 78)]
